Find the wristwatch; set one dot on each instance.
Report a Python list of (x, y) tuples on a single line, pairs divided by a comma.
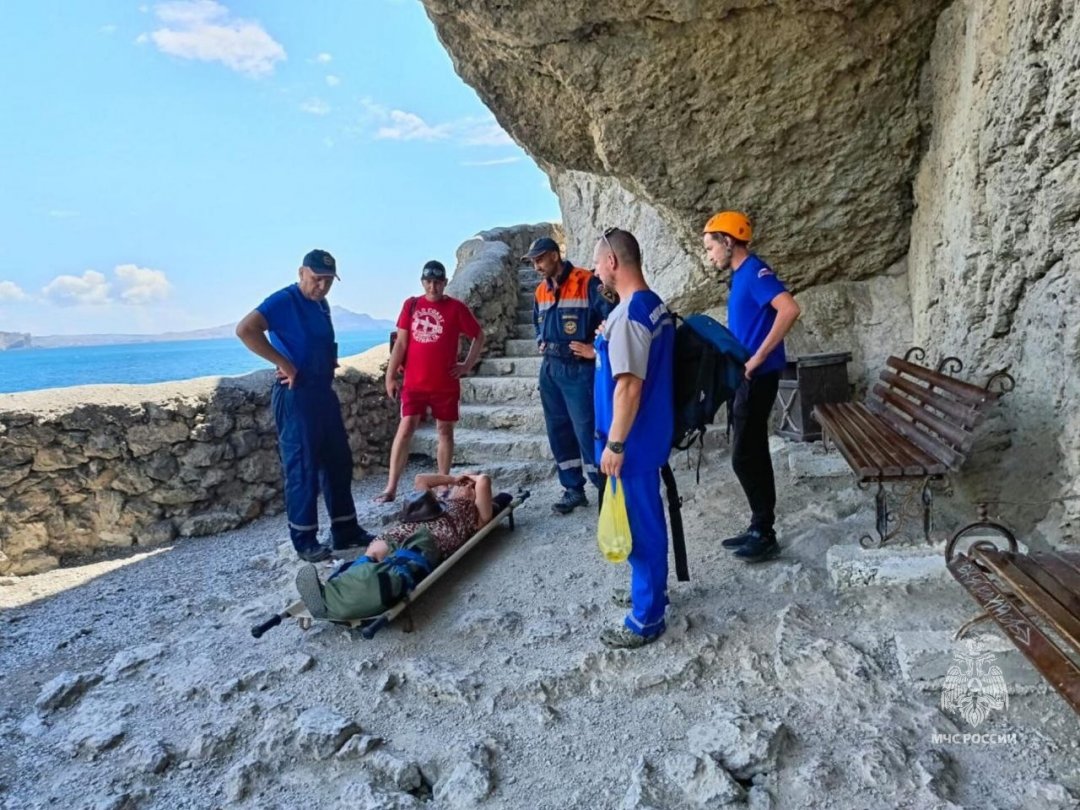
[(616, 447)]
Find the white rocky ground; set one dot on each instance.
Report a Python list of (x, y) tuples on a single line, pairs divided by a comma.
[(135, 682)]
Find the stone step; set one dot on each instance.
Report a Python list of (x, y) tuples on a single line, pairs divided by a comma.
[(500, 390), (521, 347), (510, 366), (524, 418), (478, 446), (524, 330)]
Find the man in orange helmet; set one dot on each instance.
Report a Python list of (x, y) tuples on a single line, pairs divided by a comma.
[(760, 313)]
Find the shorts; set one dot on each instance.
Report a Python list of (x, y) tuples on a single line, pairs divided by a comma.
[(443, 404)]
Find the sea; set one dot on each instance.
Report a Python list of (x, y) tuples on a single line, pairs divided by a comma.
[(34, 369)]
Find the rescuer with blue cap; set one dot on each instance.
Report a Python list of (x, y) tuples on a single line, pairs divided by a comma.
[(292, 329)]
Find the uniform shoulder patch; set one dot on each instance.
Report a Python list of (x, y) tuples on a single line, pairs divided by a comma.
[(765, 271)]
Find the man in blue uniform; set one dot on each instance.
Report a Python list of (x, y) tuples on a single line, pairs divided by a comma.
[(312, 440), (760, 313), (635, 419), (567, 308)]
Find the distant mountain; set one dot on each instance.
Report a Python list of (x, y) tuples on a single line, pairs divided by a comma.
[(345, 320)]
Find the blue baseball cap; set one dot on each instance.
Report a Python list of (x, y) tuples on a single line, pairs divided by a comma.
[(541, 246), (321, 263)]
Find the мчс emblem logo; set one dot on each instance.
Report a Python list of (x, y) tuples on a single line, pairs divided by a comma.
[(974, 686)]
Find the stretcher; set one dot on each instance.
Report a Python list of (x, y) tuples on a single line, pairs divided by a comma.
[(370, 625)]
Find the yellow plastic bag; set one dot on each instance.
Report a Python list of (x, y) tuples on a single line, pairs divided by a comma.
[(613, 529)]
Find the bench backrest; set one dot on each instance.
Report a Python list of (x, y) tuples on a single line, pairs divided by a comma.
[(934, 411)]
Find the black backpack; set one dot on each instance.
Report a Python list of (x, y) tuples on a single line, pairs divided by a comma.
[(708, 371)]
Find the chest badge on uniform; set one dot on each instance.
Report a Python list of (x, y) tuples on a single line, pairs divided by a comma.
[(569, 326)]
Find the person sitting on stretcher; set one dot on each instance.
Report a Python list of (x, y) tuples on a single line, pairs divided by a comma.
[(431, 530)]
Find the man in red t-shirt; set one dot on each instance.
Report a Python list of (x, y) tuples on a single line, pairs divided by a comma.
[(429, 330)]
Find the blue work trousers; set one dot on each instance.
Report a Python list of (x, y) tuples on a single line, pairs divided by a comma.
[(566, 392), (648, 552), (315, 455)]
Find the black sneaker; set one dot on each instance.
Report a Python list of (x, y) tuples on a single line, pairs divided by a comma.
[(571, 500), (360, 539), (314, 554), (741, 539), (761, 547), (311, 591)]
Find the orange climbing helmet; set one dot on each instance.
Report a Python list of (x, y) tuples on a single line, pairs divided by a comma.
[(733, 223)]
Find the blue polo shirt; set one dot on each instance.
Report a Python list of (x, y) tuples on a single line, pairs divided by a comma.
[(638, 339), (750, 315), (301, 330)]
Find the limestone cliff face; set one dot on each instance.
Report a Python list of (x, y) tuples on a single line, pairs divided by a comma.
[(805, 114), (913, 168), (995, 248)]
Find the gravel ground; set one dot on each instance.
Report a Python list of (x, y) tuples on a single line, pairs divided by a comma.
[(134, 682)]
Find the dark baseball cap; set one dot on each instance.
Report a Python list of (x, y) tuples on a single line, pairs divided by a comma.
[(433, 270), (541, 246), (321, 263)]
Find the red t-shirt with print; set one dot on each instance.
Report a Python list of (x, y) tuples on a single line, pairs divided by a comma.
[(435, 330)]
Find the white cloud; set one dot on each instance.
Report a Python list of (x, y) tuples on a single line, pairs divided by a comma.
[(333, 81), (407, 126), (205, 31), (401, 125), (10, 291), (324, 58), (483, 132), (89, 288), (141, 285), (495, 162), (315, 106), (135, 285)]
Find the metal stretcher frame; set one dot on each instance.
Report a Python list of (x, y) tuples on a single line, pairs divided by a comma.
[(370, 625)]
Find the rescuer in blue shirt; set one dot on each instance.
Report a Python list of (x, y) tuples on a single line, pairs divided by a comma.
[(760, 313), (312, 441), (635, 420)]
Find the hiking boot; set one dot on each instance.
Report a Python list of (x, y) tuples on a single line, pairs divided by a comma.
[(360, 539), (571, 500), (311, 591), (761, 547), (316, 553), (622, 638)]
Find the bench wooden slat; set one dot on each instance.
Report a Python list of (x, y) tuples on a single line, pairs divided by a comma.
[(955, 435), (948, 458), (1047, 579), (833, 421), (1005, 565), (966, 391), (1060, 567), (1062, 672), (962, 412), (890, 444)]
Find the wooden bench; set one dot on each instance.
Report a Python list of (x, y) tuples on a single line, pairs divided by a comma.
[(916, 427), (1034, 598)]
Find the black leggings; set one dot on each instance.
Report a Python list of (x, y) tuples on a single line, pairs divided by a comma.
[(750, 446)]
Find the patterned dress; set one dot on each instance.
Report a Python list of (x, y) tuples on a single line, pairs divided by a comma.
[(450, 531)]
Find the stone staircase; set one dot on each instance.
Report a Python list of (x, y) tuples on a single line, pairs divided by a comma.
[(502, 422)]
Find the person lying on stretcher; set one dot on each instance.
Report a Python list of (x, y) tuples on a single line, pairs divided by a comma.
[(395, 561)]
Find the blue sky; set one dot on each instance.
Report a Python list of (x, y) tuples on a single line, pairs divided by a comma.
[(167, 165)]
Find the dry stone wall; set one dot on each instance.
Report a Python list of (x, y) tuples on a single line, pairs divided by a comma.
[(95, 467)]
